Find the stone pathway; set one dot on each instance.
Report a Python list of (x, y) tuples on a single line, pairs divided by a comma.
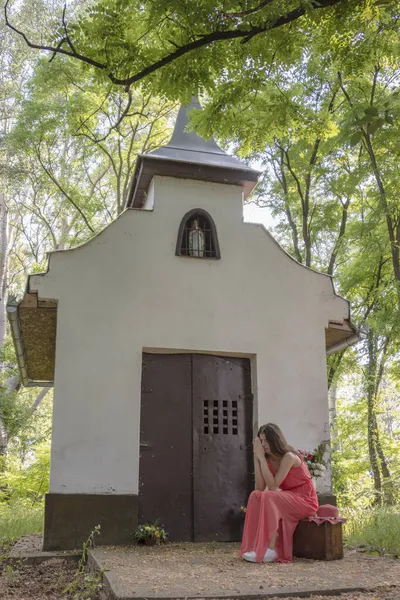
[(28, 551), (215, 571)]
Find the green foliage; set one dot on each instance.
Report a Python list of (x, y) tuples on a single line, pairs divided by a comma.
[(12, 412), (17, 417), (19, 518), (71, 159), (326, 144), (315, 103), (151, 531), (27, 481), (24, 468), (85, 584), (374, 530), (352, 481), (232, 42), (350, 463), (69, 129)]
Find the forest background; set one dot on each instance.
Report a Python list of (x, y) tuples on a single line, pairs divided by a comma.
[(306, 91)]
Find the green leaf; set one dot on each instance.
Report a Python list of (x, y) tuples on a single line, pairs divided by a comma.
[(355, 138), (389, 119), (372, 111), (373, 128)]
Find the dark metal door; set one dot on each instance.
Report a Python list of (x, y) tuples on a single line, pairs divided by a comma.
[(222, 445), (165, 469), (195, 445)]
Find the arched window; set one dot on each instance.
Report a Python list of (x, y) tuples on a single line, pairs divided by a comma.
[(197, 236)]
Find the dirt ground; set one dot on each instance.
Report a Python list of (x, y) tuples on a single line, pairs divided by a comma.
[(48, 580)]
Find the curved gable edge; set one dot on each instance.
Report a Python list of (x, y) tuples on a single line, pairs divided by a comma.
[(340, 333), (35, 279), (33, 321)]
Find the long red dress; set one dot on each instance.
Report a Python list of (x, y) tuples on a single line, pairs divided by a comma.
[(271, 511)]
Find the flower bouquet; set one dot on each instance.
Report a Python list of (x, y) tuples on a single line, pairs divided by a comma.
[(315, 460)]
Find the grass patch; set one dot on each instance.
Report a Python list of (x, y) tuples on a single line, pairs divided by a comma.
[(376, 529), (17, 519)]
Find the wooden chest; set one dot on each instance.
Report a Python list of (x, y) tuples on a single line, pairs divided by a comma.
[(319, 542)]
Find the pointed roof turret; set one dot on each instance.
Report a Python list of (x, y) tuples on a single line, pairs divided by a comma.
[(189, 156)]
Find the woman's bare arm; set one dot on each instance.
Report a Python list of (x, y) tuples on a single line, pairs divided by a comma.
[(260, 482), (288, 461)]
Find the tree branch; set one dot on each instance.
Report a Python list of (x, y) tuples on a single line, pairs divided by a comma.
[(38, 400), (342, 230), (374, 82), (251, 11), (117, 123), (293, 226), (67, 38), (333, 367), (244, 34), (366, 137), (65, 194), (53, 49), (59, 45)]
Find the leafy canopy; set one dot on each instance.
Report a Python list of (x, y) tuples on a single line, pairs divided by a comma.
[(181, 47)]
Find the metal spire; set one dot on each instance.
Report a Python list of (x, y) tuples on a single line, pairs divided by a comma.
[(187, 146)]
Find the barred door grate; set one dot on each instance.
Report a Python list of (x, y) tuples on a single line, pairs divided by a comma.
[(220, 417)]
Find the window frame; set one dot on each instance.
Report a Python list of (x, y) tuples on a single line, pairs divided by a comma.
[(214, 237)]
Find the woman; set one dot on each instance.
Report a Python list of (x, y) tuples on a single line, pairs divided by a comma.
[(283, 496)]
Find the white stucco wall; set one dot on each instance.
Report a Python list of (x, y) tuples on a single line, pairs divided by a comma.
[(126, 291)]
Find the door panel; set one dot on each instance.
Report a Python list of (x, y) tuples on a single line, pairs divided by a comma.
[(165, 470), (222, 448), (195, 445)]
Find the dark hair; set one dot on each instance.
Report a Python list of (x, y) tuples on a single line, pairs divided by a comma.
[(275, 439)]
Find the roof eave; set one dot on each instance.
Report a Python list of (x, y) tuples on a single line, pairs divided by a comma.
[(353, 337), (16, 334), (148, 166), (13, 314)]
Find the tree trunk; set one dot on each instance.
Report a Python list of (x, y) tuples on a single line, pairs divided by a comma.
[(387, 482), (371, 373), (288, 212), (3, 291), (3, 439), (333, 366), (391, 220), (393, 231), (3, 267), (332, 397), (342, 231), (38, 400)]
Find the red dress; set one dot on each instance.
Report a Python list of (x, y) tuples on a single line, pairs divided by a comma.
[(271, 511)]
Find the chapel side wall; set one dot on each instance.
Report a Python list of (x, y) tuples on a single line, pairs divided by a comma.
[(126, 290)]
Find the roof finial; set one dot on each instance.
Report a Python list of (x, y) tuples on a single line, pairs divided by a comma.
[(189, 156)]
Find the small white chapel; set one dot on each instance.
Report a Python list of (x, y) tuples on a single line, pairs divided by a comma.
[(170, 337)]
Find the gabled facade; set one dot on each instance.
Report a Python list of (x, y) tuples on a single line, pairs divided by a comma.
[(170, 337)]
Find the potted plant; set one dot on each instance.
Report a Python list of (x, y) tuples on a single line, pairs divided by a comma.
[(151, 534)]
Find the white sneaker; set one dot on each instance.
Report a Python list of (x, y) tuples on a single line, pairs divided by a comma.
[(249, 556), (270, 555)]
